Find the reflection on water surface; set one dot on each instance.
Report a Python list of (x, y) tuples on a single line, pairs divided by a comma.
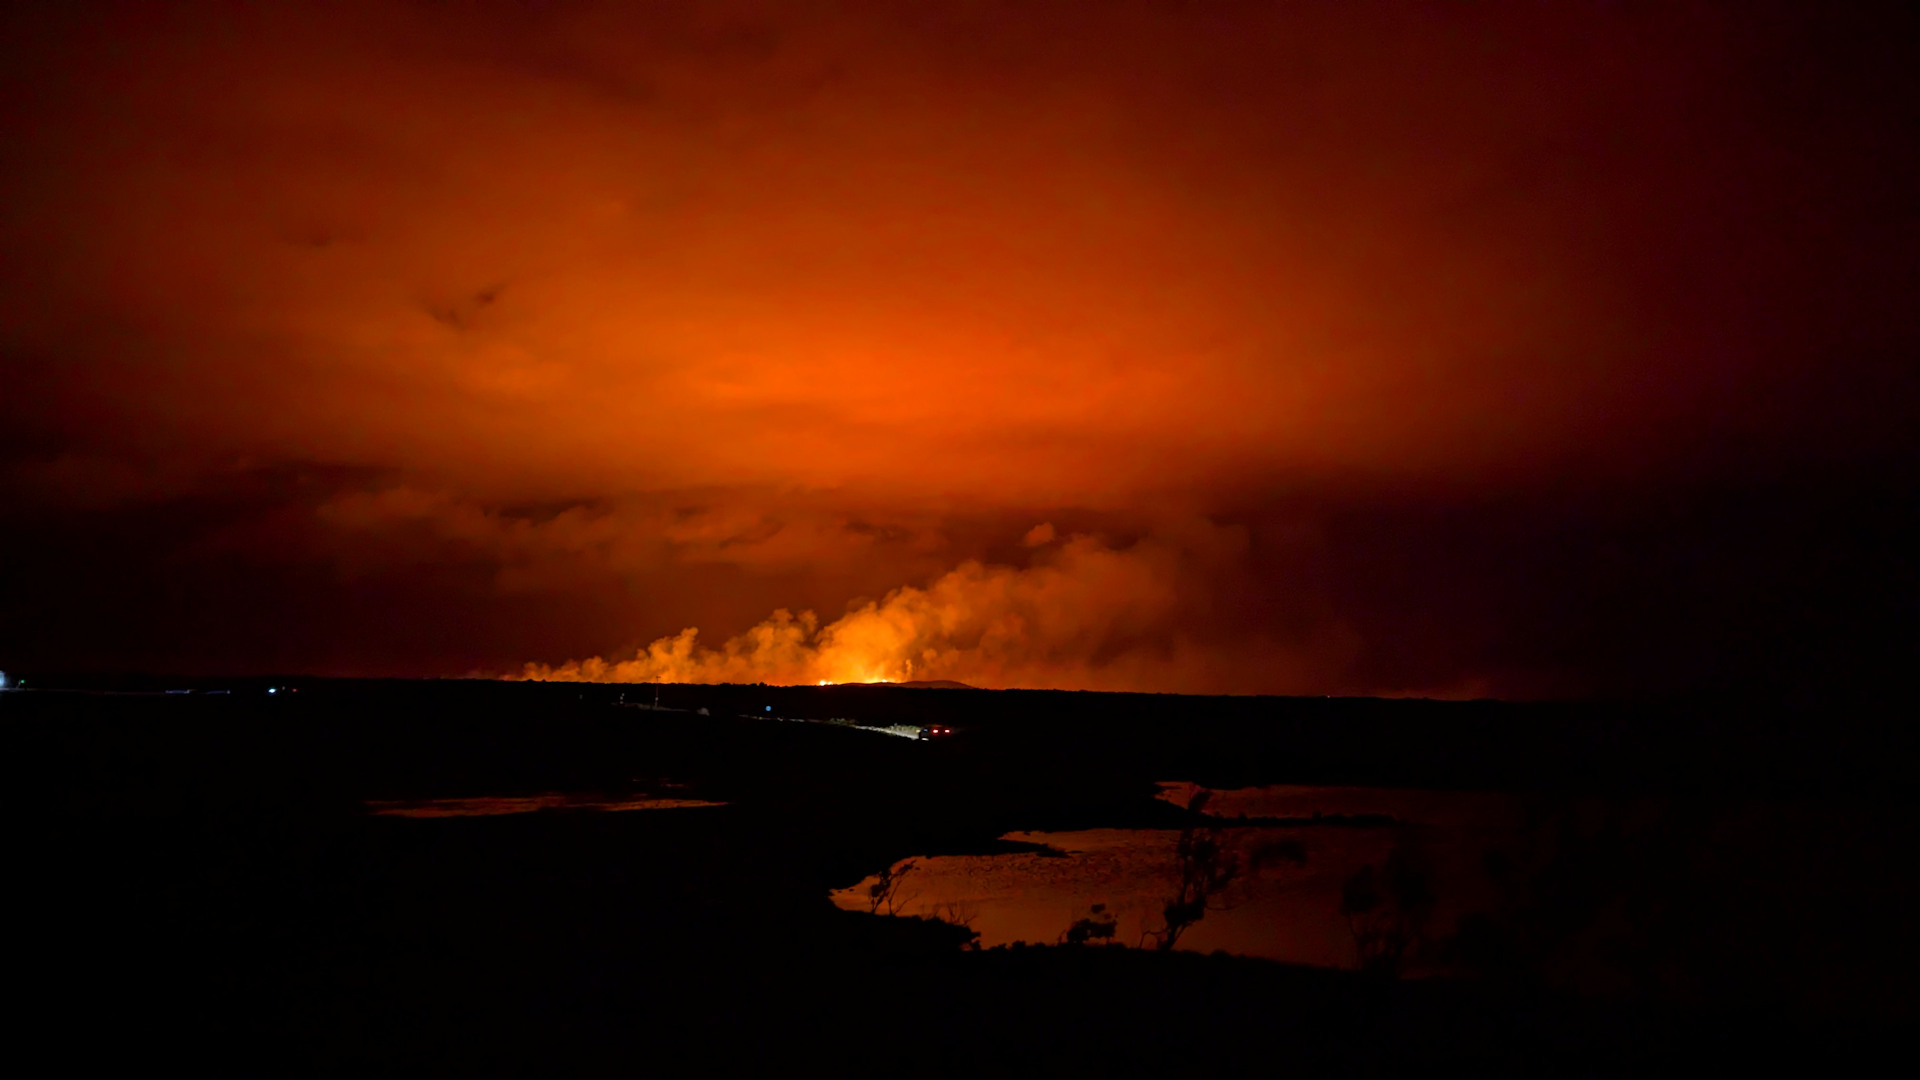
[(1283, 907), (1704, 898)]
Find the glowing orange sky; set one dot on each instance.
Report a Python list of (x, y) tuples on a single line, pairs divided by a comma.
[(840, 303)]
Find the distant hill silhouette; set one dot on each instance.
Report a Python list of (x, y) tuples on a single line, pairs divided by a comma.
[(932, 684)]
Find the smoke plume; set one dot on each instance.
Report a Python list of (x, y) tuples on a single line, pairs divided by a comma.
[(1083, 614)]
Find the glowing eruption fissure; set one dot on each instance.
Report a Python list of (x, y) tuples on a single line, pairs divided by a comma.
[(1083, 607)]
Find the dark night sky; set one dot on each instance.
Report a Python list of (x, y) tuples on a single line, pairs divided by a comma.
[(1446, 349)]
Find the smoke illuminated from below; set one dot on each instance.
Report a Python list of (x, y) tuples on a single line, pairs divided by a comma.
[(1084, 614)]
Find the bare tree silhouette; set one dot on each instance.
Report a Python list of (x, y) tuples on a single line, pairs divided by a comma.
[(960, 915), (885, 890), (957, 912), (1207, 864)]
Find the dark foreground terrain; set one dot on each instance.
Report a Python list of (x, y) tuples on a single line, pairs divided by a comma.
[(199, 881)]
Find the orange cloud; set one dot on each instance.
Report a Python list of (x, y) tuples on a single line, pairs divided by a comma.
[(612, 251), (641, 317)]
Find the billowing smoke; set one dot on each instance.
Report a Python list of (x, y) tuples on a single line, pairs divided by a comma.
[(1083, 614)]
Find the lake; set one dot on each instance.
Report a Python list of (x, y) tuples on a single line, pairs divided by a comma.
[(1802, 904)]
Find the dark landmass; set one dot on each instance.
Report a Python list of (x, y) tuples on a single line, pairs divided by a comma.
[(202, 881)]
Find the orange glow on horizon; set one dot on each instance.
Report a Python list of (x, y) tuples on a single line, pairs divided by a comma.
[(1064, 345)]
